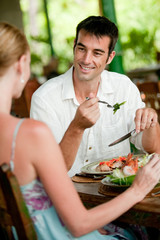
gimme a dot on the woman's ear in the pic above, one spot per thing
(110, 58)
(20, 64)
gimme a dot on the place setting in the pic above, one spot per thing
(115, 175)
(91, 173)
(98, 170)
(121, 178)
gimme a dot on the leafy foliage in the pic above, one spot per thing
(64, 17)
(138, 23)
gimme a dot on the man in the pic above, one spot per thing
(85, 128)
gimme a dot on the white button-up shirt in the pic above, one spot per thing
(55, 104)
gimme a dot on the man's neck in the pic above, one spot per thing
(83, 89)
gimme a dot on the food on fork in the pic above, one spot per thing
(117, 106)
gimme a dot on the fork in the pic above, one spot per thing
(108, 105)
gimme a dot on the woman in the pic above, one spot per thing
(38, 164)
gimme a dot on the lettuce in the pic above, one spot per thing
(117, 173)
(127, 181)
(144, 160)
(118, 177)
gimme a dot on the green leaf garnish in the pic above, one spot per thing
(117, 106)
(124, 181)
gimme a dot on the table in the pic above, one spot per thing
(146, 212)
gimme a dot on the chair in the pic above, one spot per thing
(21, 106)
(13, 211)
(31, 86)
(150, 94)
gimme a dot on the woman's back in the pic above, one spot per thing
(23, 151)
(15, 150)
(48, 224)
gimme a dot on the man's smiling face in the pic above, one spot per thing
(90, 56)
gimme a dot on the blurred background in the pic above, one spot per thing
(50, 27)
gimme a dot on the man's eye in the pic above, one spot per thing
(97, 54)
(81, 49)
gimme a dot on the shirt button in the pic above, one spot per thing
(87, 160)
(90, 148)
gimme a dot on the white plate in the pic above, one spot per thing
(91, 167)
(110, 184)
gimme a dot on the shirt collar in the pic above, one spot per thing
(68, 88)
(106, 86)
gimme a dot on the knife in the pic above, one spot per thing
(123, 138)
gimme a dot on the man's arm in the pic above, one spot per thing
(146, 120)
(42, 111)
(151, 139)
(86, 116)
(70, 144)
(69, 141)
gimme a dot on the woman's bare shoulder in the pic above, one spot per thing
(35, 127)
(38, 137)
(38, 133)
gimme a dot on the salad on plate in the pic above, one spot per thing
(125, 175)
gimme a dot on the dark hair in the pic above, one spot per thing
(99, 26)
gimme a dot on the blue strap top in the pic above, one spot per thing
(34, 193)
(14, 143)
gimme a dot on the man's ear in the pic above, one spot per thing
(111, 56)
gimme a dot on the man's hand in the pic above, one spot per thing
(147, 177)
(87, 114)
(145, 118)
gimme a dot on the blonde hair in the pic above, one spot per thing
(13, 44)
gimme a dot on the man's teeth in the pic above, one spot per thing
(86, 68)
